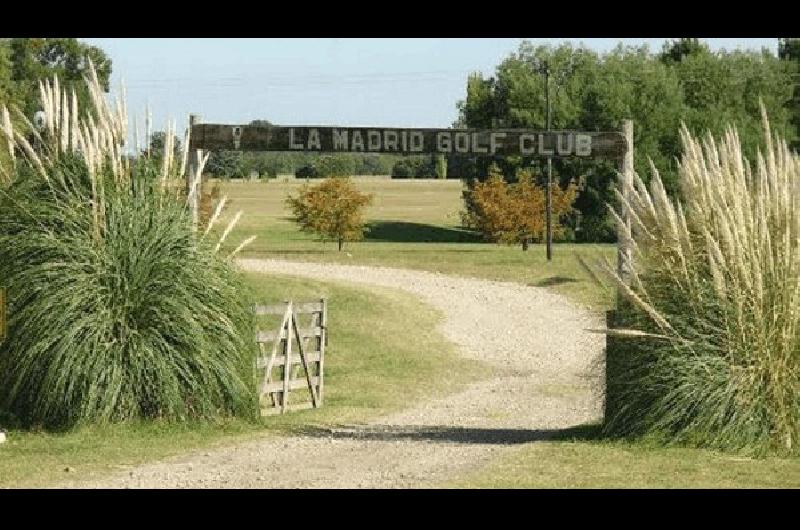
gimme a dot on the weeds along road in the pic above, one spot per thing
(548, 377)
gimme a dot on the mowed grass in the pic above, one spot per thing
(372, 367)
(582, 464)
(413, 224)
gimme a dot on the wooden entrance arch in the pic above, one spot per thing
(611, 145)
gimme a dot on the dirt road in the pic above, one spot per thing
(551, 380)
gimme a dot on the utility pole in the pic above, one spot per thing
(549, 204)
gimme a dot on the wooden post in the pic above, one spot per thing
(624, 252)
(549, 197)
(195, 156)
(323, 339)
(287, 367)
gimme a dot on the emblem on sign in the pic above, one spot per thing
(237, 137)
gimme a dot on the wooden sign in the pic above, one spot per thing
(474, 142)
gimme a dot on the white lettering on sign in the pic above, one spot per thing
(477, 142)
(476, 148)
(374, 140)
(565, 149)
(390, 140)
(417, 141)
(358, 142)
(526, 144)
(313, 140)
(542, 150)
(443, 143)
(293, 144)
(462, 142)
(493, 141)
(339, 140)
(583, 145)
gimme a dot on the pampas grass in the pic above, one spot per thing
(717, 273)
(118, 309)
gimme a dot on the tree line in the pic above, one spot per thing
(684, 82)
(24, 62)
(238, 164)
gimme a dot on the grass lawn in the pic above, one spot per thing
(370, 368)
(582, 464)
(413, 224)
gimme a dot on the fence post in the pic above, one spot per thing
(624, 252)
(194, 158)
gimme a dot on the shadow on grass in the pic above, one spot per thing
(467, 435)
(405, 232)
(553, 280)
(278, 252)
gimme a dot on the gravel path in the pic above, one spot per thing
(550, 380)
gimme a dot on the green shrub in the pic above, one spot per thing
(118, 309)
(716, 283)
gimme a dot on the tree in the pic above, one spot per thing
(413, 167)
(515, 213)
(676, 50)
(335, 166)
(595, 92)
(374, 164)
(24, 62)
(225, 164)
(308, 171)
(333, 209)
(441, 167)
(262, 123)
(36, 59)
(157, 140)
(789, 51)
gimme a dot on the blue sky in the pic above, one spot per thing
(346, 82)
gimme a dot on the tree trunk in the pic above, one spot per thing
(525, 242)
(341, 242)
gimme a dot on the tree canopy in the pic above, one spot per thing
(24, 62)
(332, 209)
(685, 82)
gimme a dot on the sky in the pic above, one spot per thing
(342, 82)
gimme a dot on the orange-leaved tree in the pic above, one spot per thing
(515, 213)
(332, 209)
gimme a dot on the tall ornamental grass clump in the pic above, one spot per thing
(118, 309)
(715, 285)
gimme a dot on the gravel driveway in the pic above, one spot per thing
(551, 379)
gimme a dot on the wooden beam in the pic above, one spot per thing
(286, 367)
(323, 341)
(294, 384)
(313, 357)
(269, 336)
(473, 142)
(306, 367)
(193, 162)
(279, 309)
(624, 253)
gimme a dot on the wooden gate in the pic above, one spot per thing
(309, 339)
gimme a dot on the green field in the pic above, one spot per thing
(415, 224)
(370, 369)
(372, 365)
(412, 224)
(580, 464)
